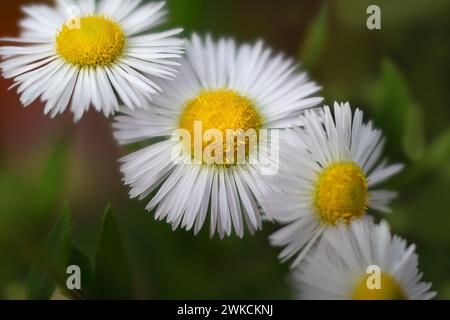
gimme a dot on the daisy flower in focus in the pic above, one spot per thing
(222, 86)
(83, 53)
(329, 168)
(362, 262)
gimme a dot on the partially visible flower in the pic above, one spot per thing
(328, 170)
(362, 261)
(221, 87)
(88, 52)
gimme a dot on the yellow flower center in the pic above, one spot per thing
(341, 193)
(221, 110)
(389, 289)
(90, 42)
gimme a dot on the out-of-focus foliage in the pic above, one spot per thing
(315, 40)
(112, 273)
(394, 111)
(111, 278)
(398, 75)
(51, 261)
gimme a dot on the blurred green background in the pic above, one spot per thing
(398, 75)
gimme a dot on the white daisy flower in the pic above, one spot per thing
(362, 262)
(328, 171)
(222, 86)
(84, 52)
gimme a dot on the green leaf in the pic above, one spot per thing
(395, 112)
(413, 139)
(436, 159)
(80, 259)
(55, 255)
(315, 39)
(439, 152)
(112, 272)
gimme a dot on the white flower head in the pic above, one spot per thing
(329, 169)
(362, 261)
(222, 87)
(87, 52)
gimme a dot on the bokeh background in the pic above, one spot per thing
(399, 75)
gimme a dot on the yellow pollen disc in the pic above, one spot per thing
(92, 41)
(389, 290)
(221, 110)
(341, 193)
